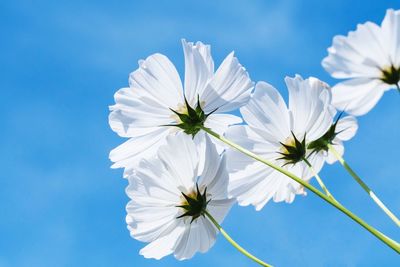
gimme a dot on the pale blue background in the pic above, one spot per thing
(62, 61)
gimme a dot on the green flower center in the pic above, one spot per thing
(391, 75)
(293, 150)
(191, 120)
(194, 204)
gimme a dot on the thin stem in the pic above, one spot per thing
(233, 243)
(364, 186)
(388, 241)
(319, 180)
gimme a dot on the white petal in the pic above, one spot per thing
(158, 79)
(152, 211)
(212, 161)
(132, 115)
(391, 32)
(246, 137)
(338, 146)
(181, 159)
(129, 154)
(164, 245)
(357, 96)
(267, 112)
(219, 123)
(230, 87)
(199, 236)
(217, 185)
(360, 54)
(310, 106)
(220, 208)
(199, 68)
(152, 179)
(346, 128)
(316, 160)
(258, 184)
(153, 226)
(214, 175)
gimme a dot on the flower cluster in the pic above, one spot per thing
(182, 182)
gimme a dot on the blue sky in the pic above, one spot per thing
(61, 63)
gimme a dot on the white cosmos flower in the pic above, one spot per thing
(155, 94)
(369, 58)
(271, 125)
(157, 190)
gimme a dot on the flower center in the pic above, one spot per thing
(190, 119)
(194, 204)
(391, 75)
(292, 150)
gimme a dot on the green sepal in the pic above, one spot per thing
(295, 153)
(193, 121)
(195, 206)
(321, 144)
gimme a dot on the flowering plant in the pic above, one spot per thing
(188, 160)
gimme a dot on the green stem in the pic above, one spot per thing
(364, 186)
(391, 243)
(319, 180)
(236, 245)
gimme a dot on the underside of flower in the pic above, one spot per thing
(192, 119)
(293, 150)
(391, 75)
(194, 204)
(321, 144)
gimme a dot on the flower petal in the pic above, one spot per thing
(220, 208)
(219, 123)
(310, 106)
(267, 112)
(258, 184)
(391, 32)
(217, 185)
(199, 68)
(338, 146)
(249, 139)
(129, 154)
(357, 96)
(132, 115)
(230, 87)
(200, 235)
(158, 79)
(152, 211)
(362, 53)
(211, 163)
(164, 245)
(346, 128)
(181, 159)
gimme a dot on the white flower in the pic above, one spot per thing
(155, 100)
(369, 58)
(343, 129)
(280, 134)
(159, 213)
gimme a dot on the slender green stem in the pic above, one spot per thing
(319, 180)
(388, 241)
(364, 186)
(233, 243)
